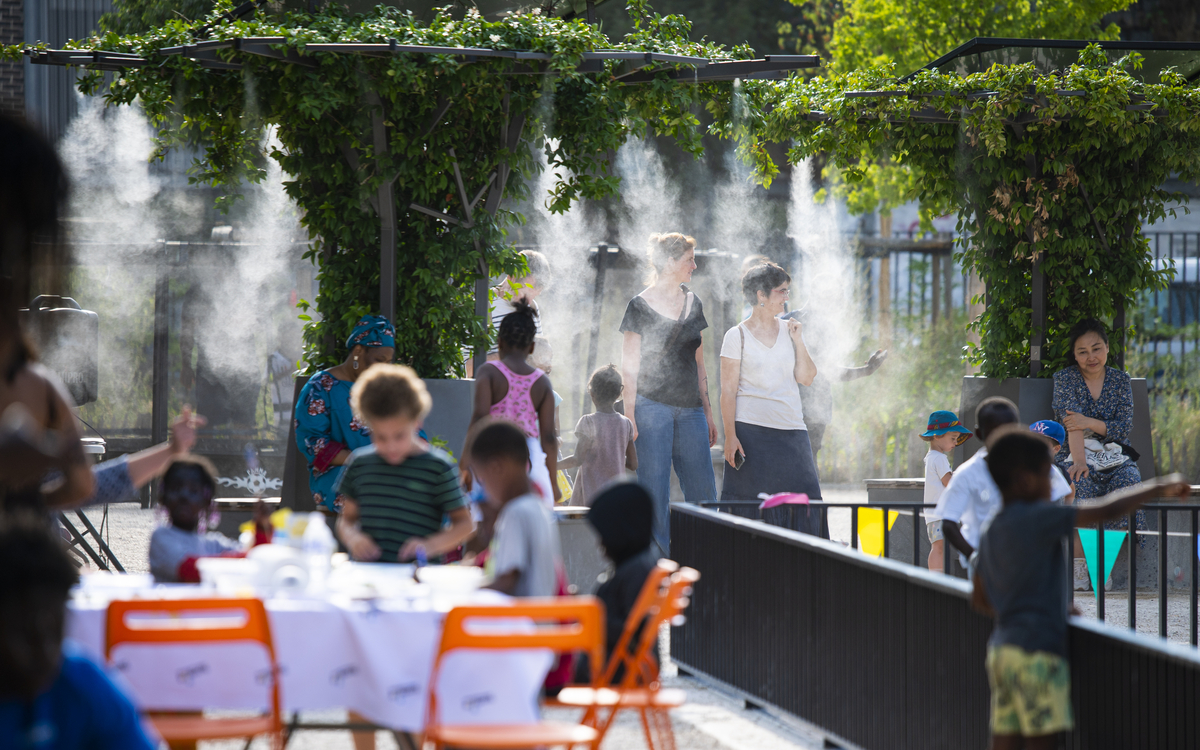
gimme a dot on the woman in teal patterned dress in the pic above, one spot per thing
(326, 429)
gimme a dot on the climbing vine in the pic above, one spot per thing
(439, 132)
(1062, 168)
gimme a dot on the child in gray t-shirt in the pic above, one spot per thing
(525, 558)
(605, 449)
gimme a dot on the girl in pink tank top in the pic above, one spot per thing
(510, 388)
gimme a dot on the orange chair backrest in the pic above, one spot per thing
(193, 621)
(649, 599)
(675, 601)
(562, 624)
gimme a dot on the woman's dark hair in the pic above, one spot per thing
(763, 278)
(36, 576)
(498, 439)
(519, 327)
(605, 384)
(190, 467)
(1082, 328)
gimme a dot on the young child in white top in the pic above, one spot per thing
(943, 433)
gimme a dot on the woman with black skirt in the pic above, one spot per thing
(766, 442)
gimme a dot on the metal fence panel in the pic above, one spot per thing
(886, 655)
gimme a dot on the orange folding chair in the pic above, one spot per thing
(200, 621)
(639, 686)
(651, 596)
(562, 624)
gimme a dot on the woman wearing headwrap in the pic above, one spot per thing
(326, 428)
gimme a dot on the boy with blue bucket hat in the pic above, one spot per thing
(943, 433)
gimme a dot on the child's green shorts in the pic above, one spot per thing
(1031, 692)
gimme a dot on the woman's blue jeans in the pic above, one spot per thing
(678, 436)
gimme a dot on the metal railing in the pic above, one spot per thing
(1169, 545)
(883, 654)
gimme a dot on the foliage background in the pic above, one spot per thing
(322, 118)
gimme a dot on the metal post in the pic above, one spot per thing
(885, 301)
(1119, 329)
(479, 358)
(1162, 572)
(387, 220)
(935, 262)
(160, 368)
(916, 511)
(854, 528)
(1037, 336)
(885, 533)
(1132, 572)
(1195, 559)
(597, 309)
(1100, 572)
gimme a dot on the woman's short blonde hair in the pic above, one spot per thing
(667, 247)
(386, 391)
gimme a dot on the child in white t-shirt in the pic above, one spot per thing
(943, 434)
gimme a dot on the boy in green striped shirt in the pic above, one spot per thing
(396, 491)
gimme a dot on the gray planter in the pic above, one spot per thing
(1033, 397)
(448, 420)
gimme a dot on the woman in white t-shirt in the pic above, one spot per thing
(943, 434)
(763, 359)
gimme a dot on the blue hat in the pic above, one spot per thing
(372, 330)
(1050, 429)
(941, 422)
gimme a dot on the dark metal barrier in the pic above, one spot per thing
(887, 655)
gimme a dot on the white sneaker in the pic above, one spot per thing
(1082, 579)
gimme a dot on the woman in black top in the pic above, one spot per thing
(666, 386)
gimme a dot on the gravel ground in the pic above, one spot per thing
(1116, 612)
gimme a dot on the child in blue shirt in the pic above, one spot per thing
(51, 696)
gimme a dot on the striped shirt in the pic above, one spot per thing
(398, 502)
(503, 307)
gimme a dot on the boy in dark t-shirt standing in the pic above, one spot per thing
(396, 491)
(1020, 580)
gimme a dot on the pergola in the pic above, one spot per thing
(632, 68)
(1047, 55)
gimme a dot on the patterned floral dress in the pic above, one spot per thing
(1115, 409)
(323, 416)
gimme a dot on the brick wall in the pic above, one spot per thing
(12, 75)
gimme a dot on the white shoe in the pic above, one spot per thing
(1082, 579)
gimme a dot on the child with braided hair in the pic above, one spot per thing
(512, 389)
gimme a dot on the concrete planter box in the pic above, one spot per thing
(448, 420)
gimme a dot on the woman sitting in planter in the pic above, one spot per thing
(1094, 403)
(326, 429)
(763, 358)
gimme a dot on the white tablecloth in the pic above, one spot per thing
(373, 657)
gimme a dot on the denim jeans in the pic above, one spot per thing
(678, 436)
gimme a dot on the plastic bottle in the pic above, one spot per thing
(319, 547)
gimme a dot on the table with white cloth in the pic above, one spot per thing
(373, 656)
